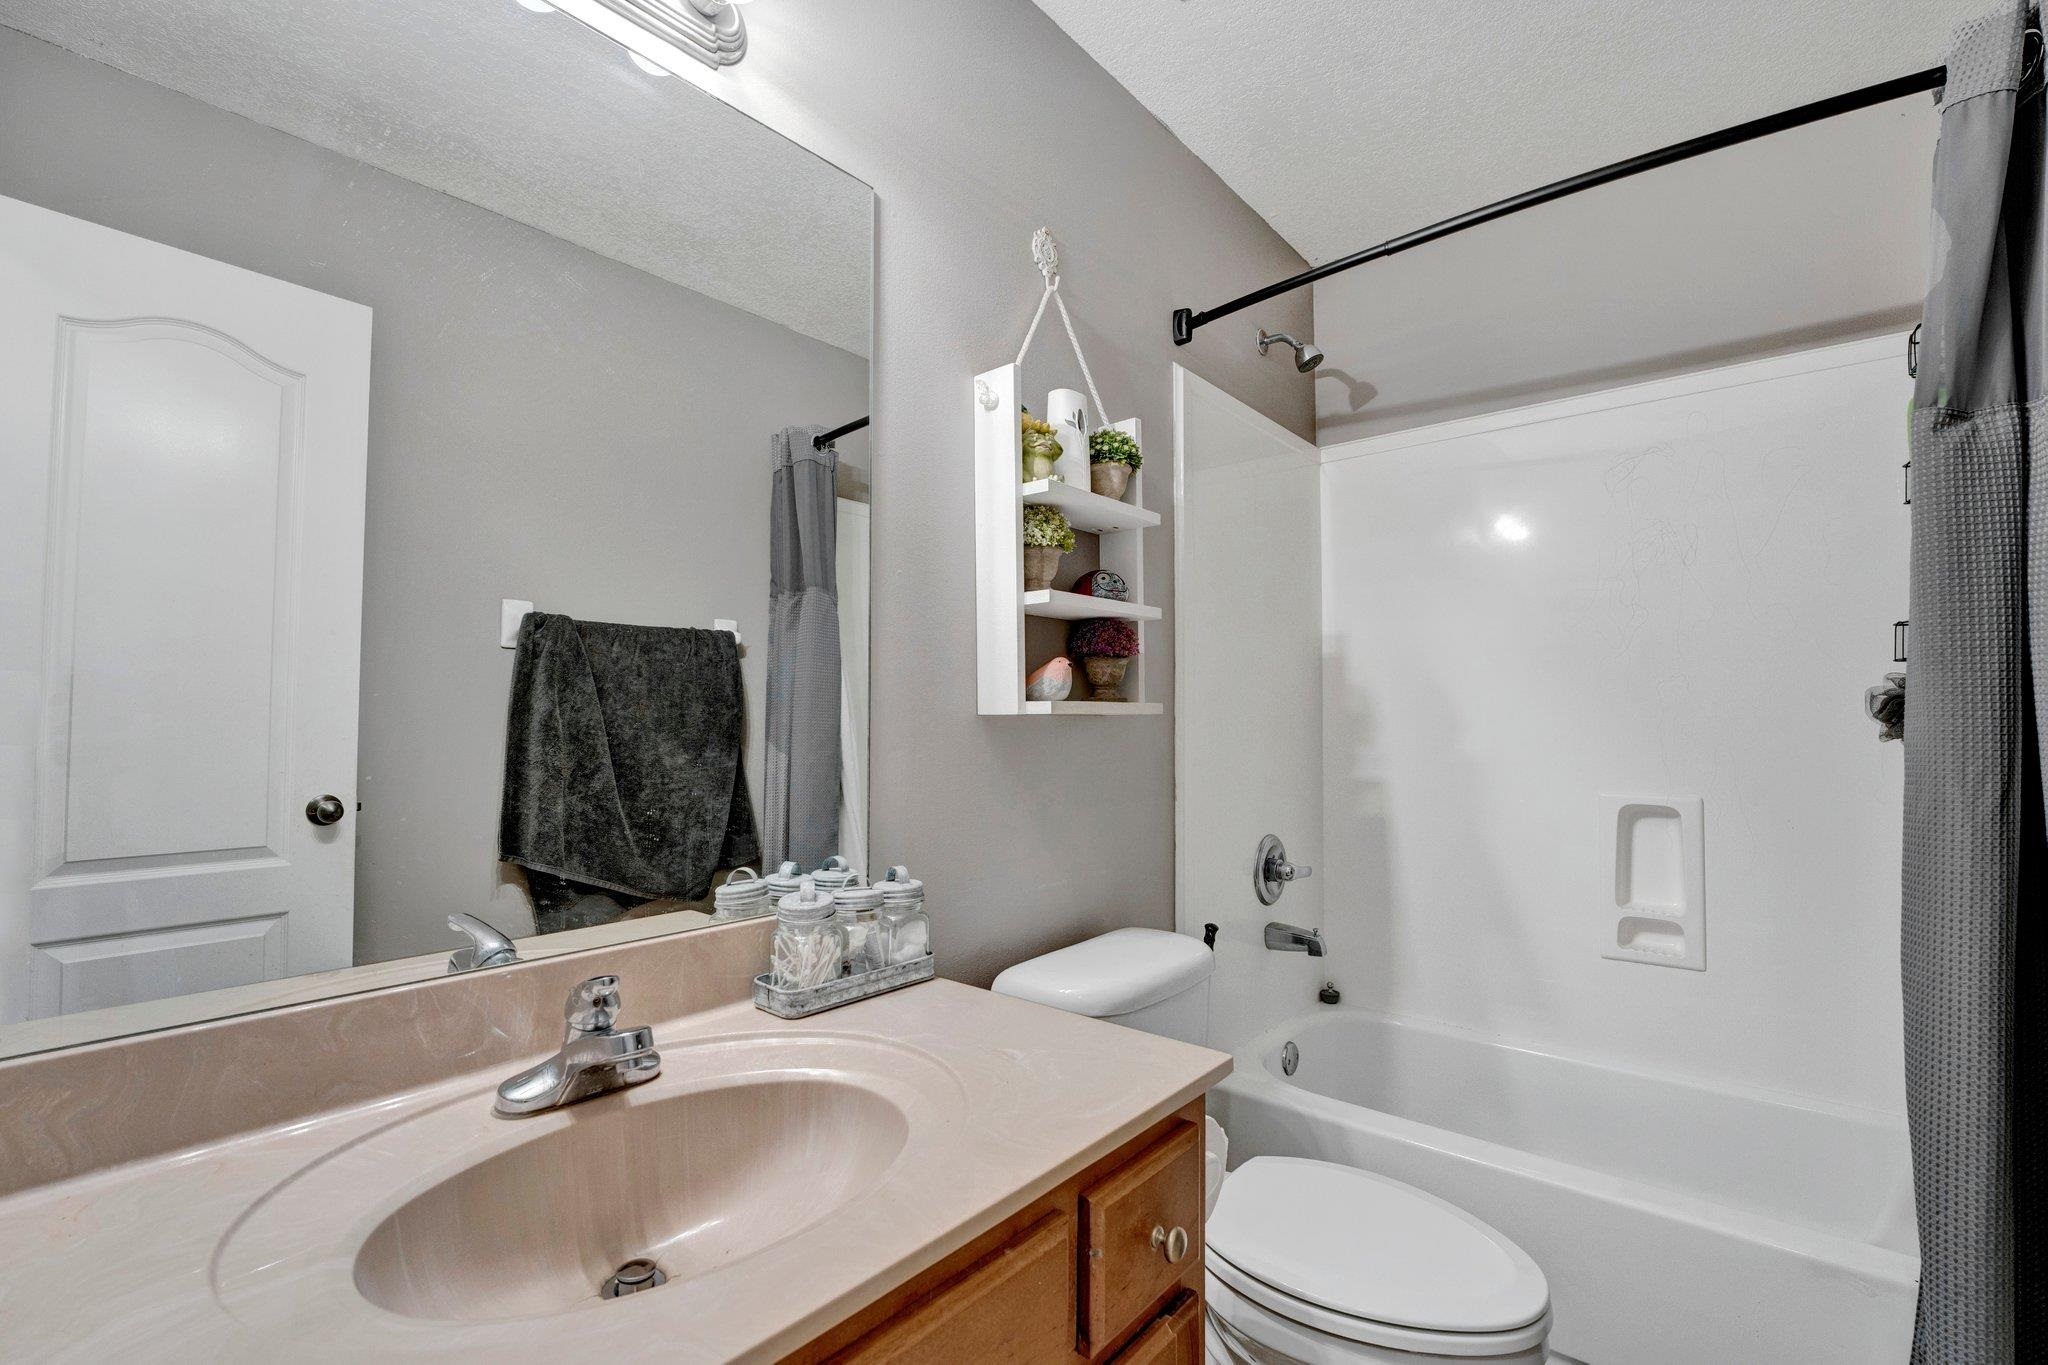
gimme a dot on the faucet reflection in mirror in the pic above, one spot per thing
(487, 947)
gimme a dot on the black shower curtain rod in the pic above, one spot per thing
(826, 438)
(1186, 320)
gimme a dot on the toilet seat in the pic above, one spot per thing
(1367, 1259)
(1247, 1329)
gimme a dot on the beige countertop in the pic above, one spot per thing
(243, 1248)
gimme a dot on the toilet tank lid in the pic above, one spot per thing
(1121, 971)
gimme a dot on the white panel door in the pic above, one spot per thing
(1247, 694)
(182, 455)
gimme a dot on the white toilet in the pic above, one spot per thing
(1309, 1261)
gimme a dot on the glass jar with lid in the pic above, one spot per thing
(742, 895)
(857, 910)
(783, 881)
(809, 947)
(906, 927)
(835, 873)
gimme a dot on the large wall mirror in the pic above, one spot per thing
(333, 333)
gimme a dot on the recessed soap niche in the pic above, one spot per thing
(1660, 881)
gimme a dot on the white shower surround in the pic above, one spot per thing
(1677, 589)
(1674, 589)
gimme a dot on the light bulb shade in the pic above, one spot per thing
(668, 34)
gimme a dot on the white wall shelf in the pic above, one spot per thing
(1076, 606)
(1092, 708)
(1002, 605)
(1086, 510)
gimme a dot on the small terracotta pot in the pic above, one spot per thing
(1110, 480)
(1106, 676)
(1041, 562)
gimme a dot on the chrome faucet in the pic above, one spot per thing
(1288, 938)
(595, 1059)
(487, 947)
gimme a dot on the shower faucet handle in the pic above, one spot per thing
(1272, 872)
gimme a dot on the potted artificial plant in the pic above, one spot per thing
(1047, 536)
(1105, 647)
(1112, 455)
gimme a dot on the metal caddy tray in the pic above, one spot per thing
(847, 989)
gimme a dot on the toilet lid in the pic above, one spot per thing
(1368, 1247)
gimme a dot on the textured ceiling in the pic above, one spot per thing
(1345, 122)
(530, 115)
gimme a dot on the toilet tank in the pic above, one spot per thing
(1145, 979)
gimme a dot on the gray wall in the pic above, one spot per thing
(976, 122)
(1810, 236)
(545, 424)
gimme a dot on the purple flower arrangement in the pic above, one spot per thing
(1103, 638)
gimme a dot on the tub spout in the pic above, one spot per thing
(1288, 938)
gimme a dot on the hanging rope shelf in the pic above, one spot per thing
(1045, 254)
(1002, 493)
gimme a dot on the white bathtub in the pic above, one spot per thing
(1678, 1223)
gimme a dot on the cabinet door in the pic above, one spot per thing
(1175, 1339)
(1015, 1308)
(1143, 1233)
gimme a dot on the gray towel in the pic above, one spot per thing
(1887, 706)
(622, 762)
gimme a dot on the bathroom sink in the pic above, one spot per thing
(691, 1182)
(449, 1213)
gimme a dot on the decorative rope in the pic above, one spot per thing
(1045, 253)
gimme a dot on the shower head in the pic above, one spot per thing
(1306, 357)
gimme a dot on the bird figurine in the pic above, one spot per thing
(1053, 682)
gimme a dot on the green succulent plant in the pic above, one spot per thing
(1110, 446)
(1047, 526)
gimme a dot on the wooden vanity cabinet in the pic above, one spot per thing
(1105, 1268)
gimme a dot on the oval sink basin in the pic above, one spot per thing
(437, 1210)
(691, 1181)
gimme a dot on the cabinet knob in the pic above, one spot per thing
(1174, 1244)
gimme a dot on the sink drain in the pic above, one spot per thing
(632, 1277)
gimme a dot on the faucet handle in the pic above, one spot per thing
(593, 1006)
(1271, 872)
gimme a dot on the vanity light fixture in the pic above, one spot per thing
(659, 35)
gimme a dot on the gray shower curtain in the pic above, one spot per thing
(1975, 878)
(801, 815)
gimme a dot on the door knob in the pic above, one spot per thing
(325, 810)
